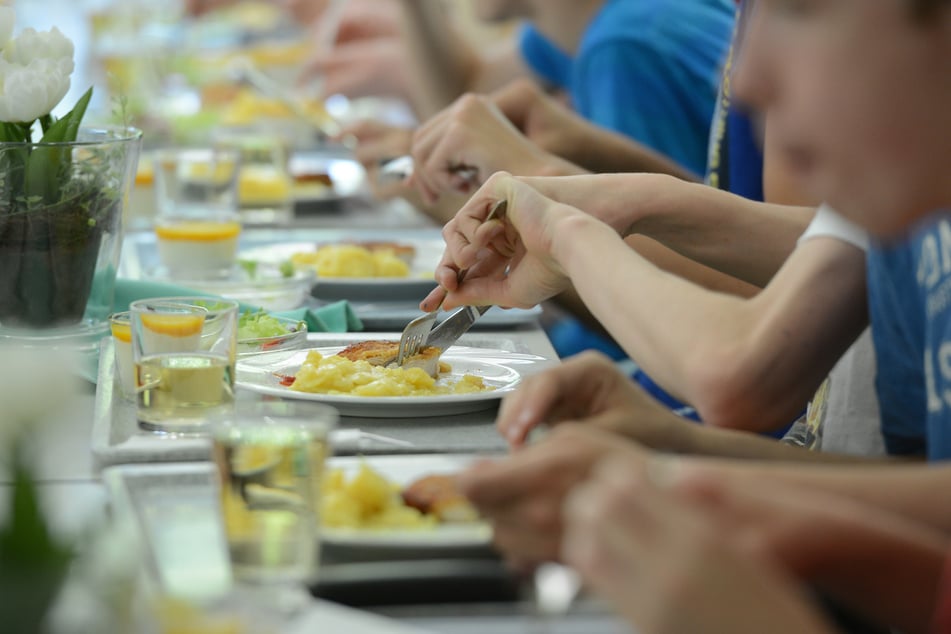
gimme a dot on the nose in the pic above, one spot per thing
(753, 75)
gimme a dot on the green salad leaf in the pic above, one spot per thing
(260, 324)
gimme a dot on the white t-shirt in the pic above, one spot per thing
(843, 415)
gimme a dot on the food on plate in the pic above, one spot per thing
(384, 353)
(405, 252)
(368, 500)
(261, 332)
(263, 184)
(335, 374)
(313, 178)
(260, 325)
(350, 260)
(197, 246)
(438, 495)
(249, 106)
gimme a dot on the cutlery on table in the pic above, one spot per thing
(419, 331)
(401, 168)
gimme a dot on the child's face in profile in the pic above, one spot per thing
(859, 97)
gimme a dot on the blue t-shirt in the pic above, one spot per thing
(909, 293)
(648, 69)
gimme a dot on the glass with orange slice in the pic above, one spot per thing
(184, 351)
(198, 225)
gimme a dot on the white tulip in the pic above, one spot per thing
(34, 74)
(36, 385)
(7, 20)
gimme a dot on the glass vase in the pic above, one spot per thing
(61, 234)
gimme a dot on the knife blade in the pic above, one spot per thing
(454, 326)
(402, 167)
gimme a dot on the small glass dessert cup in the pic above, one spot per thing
(198, 247)
(198, 224)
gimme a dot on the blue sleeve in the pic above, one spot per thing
(545, 59)
(630, 89)
(899, 350)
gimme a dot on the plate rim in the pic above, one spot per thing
(356, 401)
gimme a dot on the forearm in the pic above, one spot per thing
(603, 151)
(442, 63)
(749, 364)
(745, 239)
(889, 571)
(906, 490)
(704, 440)
(656, 317)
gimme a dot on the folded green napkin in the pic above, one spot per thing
(336, 317)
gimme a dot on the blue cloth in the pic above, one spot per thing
(909, 294)
(645, 68)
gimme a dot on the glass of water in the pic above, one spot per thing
(184, 350)
(270, 457)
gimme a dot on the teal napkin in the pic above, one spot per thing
(336, 317)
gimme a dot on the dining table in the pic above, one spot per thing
(74, 495)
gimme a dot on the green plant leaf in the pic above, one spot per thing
(66, 129)
(25, 540)
(47, 166)
(11, 133)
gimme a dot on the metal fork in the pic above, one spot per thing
(416, 333)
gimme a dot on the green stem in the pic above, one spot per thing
(46, 121)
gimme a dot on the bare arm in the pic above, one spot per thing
(740, 237)
(443, 66)
(557, 129)
(752, 363)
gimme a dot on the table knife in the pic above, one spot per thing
(454, 326)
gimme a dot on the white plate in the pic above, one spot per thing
(369, 289)
(169, 500)
(498, 368)
(403, 470)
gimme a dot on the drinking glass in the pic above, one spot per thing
(184, 350)
(270, 457)
(264, 181)
(121, 327)
(197, 225)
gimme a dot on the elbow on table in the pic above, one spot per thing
(728, 391)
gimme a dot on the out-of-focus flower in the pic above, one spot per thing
(34, 73)
(36, 385)
(7, 21)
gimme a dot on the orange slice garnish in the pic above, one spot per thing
(199, 231)
(122, 332)
(174, 325)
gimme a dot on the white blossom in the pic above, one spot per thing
(34, 74)
(7, 20)
(36, 385)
